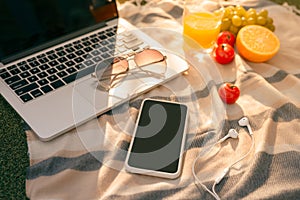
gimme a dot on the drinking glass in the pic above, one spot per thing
(202, 21)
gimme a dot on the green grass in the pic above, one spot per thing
(13, 155)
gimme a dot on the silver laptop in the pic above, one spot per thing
(48, 51)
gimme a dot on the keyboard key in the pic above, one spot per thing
(24, 67)
(2, 70)
(59, 49)
(53, 63)
(80, 74)
(50, 52)
(57, 84)
(14, 71)
(92, 36)
(51, 71)
(5, 75)
(68, 45)
(52, 56)
(43, 60)
(76, 42)
(35, 70)
(71, 70)
(34, 64)
(78, 46)
(88, 62)
(102, 37)
(104, 42)
(78, 60)
(62, 59)
(70, 50)
(12, 67)
(78, 67)
(105, 55)
(61, 53)
(44, 67)
(110, 34)
(104, 49)
(26, 97)
(46, 89)
(87, 56)
(60, 67)
(21, 63)
(71, 56)
(18, 84)
(96, 59)
(42, 74)
(70, 63)
(36, 93)
(95, 40)
(43, 82)
(25, 74)
(52, 78)
(70, 78)
(33, 78)
(95, 52)
(79, 52)
(31, 59)
(41, 55)
(96, 46)
(88, 49)
(26, 89)
(62, 74)
(12, 79)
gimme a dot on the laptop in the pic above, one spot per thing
(50, 48)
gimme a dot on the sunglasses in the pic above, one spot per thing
(112, 71)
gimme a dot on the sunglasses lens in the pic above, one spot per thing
(110, 70)
(151, 60)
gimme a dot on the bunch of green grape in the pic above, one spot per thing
(235, 17)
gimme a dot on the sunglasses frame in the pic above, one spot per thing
(128, 57)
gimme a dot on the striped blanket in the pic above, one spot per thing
(88, 162)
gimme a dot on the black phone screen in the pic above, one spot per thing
(159, 136)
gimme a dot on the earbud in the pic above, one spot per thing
(245, 122)
(232, 133)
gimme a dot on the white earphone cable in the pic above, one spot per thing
(227, 169)
(194, 173)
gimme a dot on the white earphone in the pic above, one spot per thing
(245, 122)
(232, 133)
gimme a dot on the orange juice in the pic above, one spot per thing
(203, 27)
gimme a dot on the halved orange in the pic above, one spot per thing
(257, 43)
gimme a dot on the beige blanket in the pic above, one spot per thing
(88, 163)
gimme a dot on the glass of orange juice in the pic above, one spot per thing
(202, 21)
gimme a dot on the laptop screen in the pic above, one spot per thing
(27, 25)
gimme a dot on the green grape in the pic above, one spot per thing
(271, 27)
(228, 12)
(244, 21)
(251, 21)
(269, 20)
(263, 13)
(236, 21)
(240, 10)
(226, 23)
(251, 15)
(233, 29)
(261, 20)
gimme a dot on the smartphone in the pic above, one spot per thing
(158, 140)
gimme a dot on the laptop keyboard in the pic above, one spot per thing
(53, 69)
